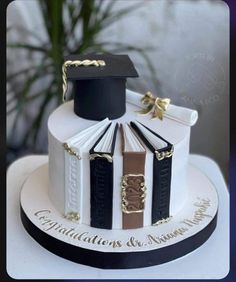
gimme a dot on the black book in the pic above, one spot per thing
(101, 178)
(162, 165)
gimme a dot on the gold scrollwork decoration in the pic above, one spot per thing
(71, 151)
(162, 221)
(166, 154)
(135, 182)
(106, 156)
(73, 216)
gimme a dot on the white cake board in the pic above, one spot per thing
(112, 249)
(30, 210)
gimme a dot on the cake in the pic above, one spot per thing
(118, 168)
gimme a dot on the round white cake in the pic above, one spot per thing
(63, 123)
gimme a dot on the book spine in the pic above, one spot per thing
(161, 189)
(101, 194)
(133, 190)
(72, 186)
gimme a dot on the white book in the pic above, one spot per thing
(76, 157)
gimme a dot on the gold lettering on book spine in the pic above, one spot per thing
(133, 193)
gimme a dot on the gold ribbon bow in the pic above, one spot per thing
(76, 63)
(155, 104)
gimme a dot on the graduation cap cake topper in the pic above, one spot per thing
(99, 84)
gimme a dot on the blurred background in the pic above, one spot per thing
(180, 49)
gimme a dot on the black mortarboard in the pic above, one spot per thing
(99, 91)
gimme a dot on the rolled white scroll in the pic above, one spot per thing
(180, 114)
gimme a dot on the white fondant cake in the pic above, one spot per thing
(63, 123)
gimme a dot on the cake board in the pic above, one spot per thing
(120, 249)
(26, 259)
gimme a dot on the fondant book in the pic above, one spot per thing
(101, 178)
(162, 165)
(133, 180)
(76, 156)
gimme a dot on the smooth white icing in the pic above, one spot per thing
(63, 124)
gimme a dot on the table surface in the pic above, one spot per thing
(26, 259)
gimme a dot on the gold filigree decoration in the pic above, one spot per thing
(163, 220)
(166, 154)
(106, 156)
(76, 63)
(136, 183)
(71, 151)
(73, 216)
(155, 105)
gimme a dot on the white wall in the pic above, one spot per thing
(191, 55)
(190, 41)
